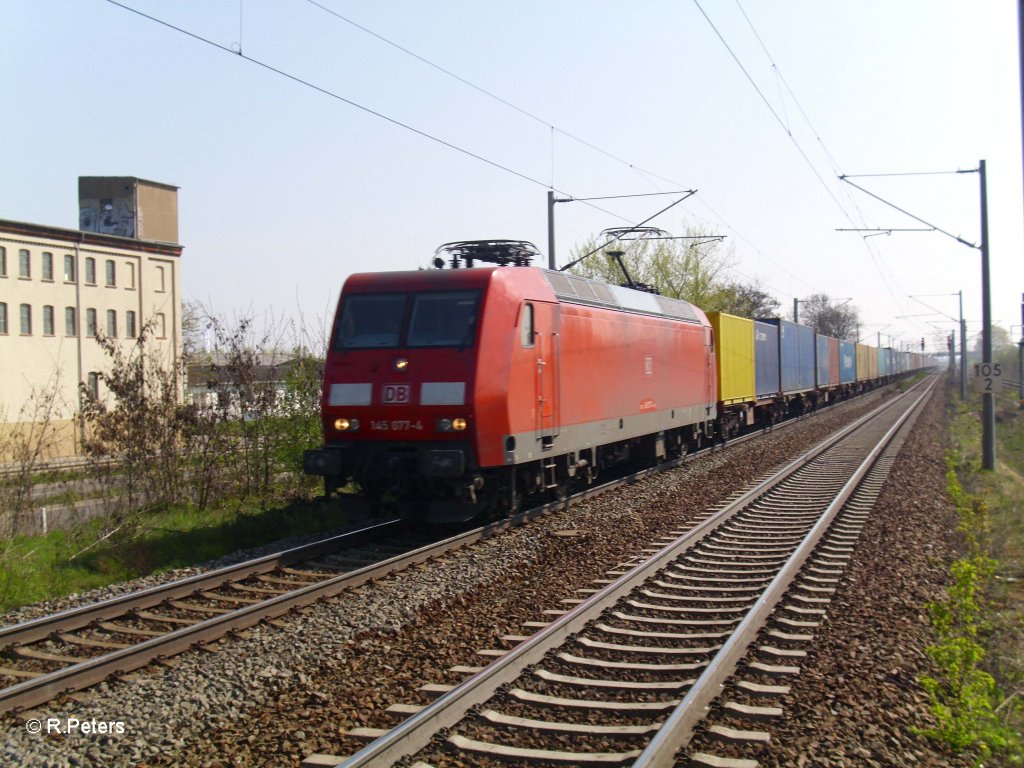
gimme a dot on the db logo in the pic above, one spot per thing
(396, 393)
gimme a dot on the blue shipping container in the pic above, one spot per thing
(766, 359)
(823, 367)
(884, 361)
(796, 355)
(847, 362)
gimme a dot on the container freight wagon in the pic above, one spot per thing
(828, 373)
(867, 363)
(847, 362)
(823, 368)
(767, 383)
(734, 359)
(796, 356)
(884, 362)
(833, 362)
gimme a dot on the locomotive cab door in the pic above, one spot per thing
(546, 382)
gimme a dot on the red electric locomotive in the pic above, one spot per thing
(453, 392)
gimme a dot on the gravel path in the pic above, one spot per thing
(278, 693)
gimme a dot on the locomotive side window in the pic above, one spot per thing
(443, 319)
(526, 327)
(371, 320)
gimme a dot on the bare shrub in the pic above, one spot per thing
(133, 432)
(25, 445)
(256, 400)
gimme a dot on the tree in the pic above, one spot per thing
(1000, 340)
(1004, 351)
(750, 301)
(26, 443)
(839, 321)
(251, 424)
(193, 328)
(694, 270)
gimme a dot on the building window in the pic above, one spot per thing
(3, 318)
(90, 322)
(48, 266)
(69, 268)
(161, 285)
(26, 319)
(161, 325)
(90, 270)
(93, 384)
(24, 264)
(47, 320)
(129, 323)
(70, 322)
(3, 262)
(111, 273)
(130, 280)
(112, 323)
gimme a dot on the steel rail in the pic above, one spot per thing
(416, 732)
(38, 690)
(74, 677)
(677, 730)
(76, 618)
(77, 676)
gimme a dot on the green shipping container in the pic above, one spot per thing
(734, 357)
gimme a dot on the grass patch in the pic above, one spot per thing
(66, 562)
(979, 626)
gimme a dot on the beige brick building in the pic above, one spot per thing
(60, 287)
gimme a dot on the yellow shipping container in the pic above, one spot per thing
(867, 362)
(734, 357)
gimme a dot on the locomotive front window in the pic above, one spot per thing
(443, 319)
(371, 321)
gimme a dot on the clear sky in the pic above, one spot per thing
(286, 190)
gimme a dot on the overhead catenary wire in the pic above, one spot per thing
(771, 109)
(885, 273)
(481, 89)
(238, 51)
(645, 174)
(380, 115)
(908, 213)
(690, 193)
(789, 90)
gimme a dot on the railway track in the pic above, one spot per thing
(695, 639)
(77, 648)
(73, 649)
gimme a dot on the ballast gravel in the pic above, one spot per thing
(277, 693)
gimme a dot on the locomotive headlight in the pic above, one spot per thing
(451, 425)
(346, 425)
(401, 364)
